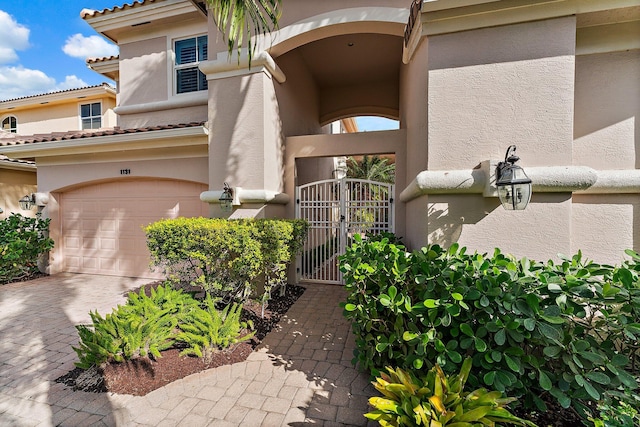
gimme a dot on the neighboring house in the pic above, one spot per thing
(466, 79)
(73, 111)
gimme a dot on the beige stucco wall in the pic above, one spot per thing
(142, 62)
(14, 184)
(146, 83)
(53, 173)
(488, 89)
(603, 226)
(245, 133)
(298, 98)
(607, 110)
(414, 89)
(607, 136)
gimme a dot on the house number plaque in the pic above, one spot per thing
(125, 171)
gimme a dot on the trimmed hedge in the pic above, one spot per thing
(569, 330)
(225, 257)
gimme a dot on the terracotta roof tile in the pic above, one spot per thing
(102, 59)
(89, 13)
(65, 136)
(59, 91)
(6, 160)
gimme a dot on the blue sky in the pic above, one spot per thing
(44, 45)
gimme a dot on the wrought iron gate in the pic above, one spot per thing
(336, 210)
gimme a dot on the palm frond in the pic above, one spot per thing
(240, 19)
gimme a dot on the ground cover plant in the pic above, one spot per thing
(22, 241)
(438, 399)
(145, 325)
(143, 370)
(562, 334)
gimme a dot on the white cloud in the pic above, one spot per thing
(17, 82)
(13, 37)
(71, 82)
(79, 46)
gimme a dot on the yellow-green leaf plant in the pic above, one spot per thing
(438, 400)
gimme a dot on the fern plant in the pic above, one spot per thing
(208, 330)
(438, 400)
(143, 327)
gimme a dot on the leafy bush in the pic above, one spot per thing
(22, 241)
(207, 330)
(437, 400)
(221, 257)
(225, 257)
(569, 330)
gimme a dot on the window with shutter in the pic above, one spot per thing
(188, 54)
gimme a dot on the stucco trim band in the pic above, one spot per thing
(242, 195)
(193, 100)
(226, 66)
(549, 179)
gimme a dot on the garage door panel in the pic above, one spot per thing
(102, 225)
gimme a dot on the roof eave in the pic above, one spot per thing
(165, 138)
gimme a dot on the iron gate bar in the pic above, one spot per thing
(336, 210)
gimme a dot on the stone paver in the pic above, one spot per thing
(301, 374)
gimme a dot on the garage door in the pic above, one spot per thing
(102, 224)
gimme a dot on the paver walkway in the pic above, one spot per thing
(301, 374)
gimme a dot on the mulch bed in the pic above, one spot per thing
(143, 375)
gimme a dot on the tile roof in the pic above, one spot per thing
(59, 91)
(89, 13)
(6, 160)
(102, 59)
(64, 136)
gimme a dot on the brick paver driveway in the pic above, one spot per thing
(301, 375)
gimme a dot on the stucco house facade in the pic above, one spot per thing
(465, 79)
(67, 112)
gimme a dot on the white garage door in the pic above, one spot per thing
(102, 224)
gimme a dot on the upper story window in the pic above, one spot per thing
(189, 53)
(91, 115)
(10, 124)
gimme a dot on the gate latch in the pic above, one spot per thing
(342, 218)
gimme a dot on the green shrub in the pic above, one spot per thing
(222, 257)
(207, 330)
(143, 327)
(22, 241)
(225, 257)
(569, 330)
(437, 400)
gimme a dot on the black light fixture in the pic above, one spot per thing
(27, 202)
(514, 186)
(226, 199)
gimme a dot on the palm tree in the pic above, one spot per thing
(373, 168)
(239, 20)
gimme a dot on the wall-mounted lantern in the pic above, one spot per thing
(226, 199)
(27, 202)
(514, 186)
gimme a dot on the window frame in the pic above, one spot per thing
(11, 129)
(91, 116)
(201, 55)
